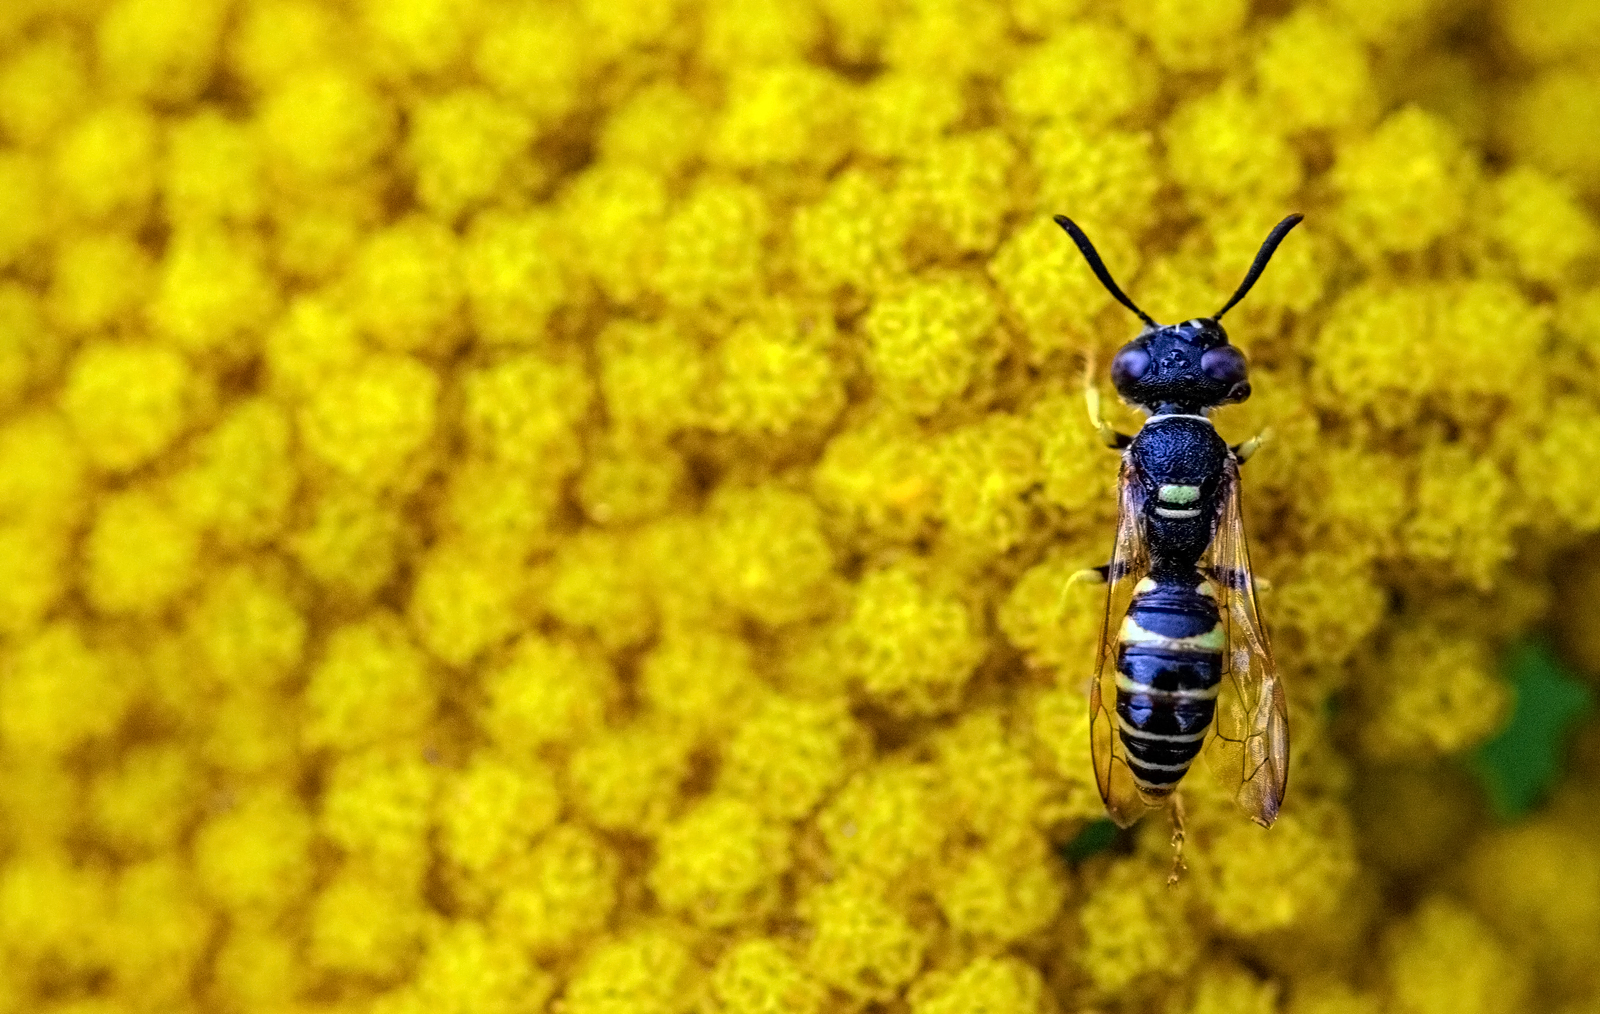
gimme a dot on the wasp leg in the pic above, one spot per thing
(1262, 584)
(1110, 437)
(1093, 575)
(1175, 811)
(1242, 452)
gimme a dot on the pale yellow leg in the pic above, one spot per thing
(1108, 436)
(1088, 576)
(1175, 811)
(1251, 446)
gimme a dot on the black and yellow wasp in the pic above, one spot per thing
(1189, 656)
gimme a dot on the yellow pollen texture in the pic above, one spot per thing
(566, 506)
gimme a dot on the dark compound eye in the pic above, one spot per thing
(1226, 364)
(1130, 364)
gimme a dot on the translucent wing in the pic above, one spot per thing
(1130, 562)
(1249, 746)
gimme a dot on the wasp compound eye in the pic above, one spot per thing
(1225, 364)
(1131, 363)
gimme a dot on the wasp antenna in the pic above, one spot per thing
(1099, 266)
(1259, 265)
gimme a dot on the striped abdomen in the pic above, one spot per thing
(1169, 665)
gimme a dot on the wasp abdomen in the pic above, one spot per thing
(1169, 666)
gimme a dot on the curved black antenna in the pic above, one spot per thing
(1259, 265)
(1100, 272)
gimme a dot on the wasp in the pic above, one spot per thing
(1189, 659)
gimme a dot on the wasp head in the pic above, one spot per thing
(1188, 366)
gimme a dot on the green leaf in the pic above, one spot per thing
(1520, 765)
(1096, 837)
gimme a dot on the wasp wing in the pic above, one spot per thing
(1130, 562)
(1249, 746)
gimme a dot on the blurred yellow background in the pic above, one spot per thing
(519, 507)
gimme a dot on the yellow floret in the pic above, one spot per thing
(490, 812)
(702, 678)
(373, 424)
(625, 481)
(559, 894)
(1228, 145)
(757, 976)
(860, 944)
(160, 50)
(247, 630)
(317, 233)
(759, 33)
(1539, 223)
(956, 37)
(1060, 728)
(30, 206)
(1549, 123)
(1039, 271)
(770, 559)
(721, 864)
(525, 410)
(105, 165)
(1463, 517)
(213, 171)
(378, 806)
(60, 692)
(1442, 959)
(42, 86)
(243, 480)
(712, 247)
(351, 541)
(144, 805)
(32, 574)
(788, 755)
(546, 691)
(158, 933)
(496, 510)
(885, 820)
(372, 686)
(41, 472)
(1190, 36)
(1002, 896)
(127, 403)
(251, 734)
(312, 343)
(1132, 929)
(630, 778)
(468, 146)
(1547, 31)
(1086, 73)
(50, 911)
(929, 342)
(653, 378)
(593, 585)
(366, 927)
(1313, 71)
(540, 58)
(323, 125)
(406, 289)
(1431, 692)
(98, 281)
(850, 236)
(258, 968)
(902, 113)
(1332, 600)
(954, 198)
(912, 647)
(1559, 468)
(1540, 883)
(992, 985)
(1300, 875)
(419, 37)
(255, 858)
(516, 269)
(790, 114)
(649, 971)
(28, 349)
(140, 555)
(985, 470)
(615, 215)
(1404, 186)
(879, 476)
(777, 374)
(1225, 989)
(991, 781)
(214, 296)
(468, 971)
(274, 39)
(661, 127)
(465, 601)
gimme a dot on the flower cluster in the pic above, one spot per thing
(568, 506)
